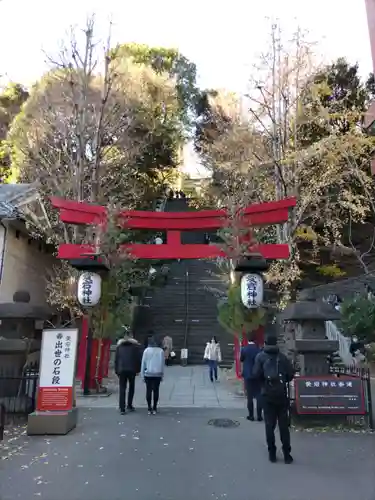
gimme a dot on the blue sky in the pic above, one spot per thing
(222, 38)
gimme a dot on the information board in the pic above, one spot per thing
(330, 395)
(58, 360)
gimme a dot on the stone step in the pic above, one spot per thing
(187, 299)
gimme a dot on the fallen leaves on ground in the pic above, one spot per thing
(15, 440)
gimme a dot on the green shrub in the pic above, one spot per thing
(235, 317)
(358, 318)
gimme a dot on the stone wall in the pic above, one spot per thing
(344, 288)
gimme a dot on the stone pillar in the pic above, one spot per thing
(305, 321)
(286, 339)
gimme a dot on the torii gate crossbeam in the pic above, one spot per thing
(173, 223)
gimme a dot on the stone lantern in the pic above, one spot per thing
(18, 346)
(310, 342)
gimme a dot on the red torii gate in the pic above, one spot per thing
(262, 214)
(79, 213)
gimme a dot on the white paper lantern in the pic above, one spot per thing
(89, 289)
(252, 290)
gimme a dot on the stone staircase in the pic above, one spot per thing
(202, 313)
(166, 309)
(185, 309)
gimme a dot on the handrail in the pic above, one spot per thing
(2, 421)
(333, 333)
(159, 208)
(186, 308)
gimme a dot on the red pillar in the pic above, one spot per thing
(259, 337)
(174, 238)
(237, 350)
(81, 361)
(97, 345)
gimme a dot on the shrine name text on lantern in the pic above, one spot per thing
(89, 289)
(252, 290)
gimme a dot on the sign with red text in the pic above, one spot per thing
(58, 361)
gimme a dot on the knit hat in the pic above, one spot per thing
(271, 340)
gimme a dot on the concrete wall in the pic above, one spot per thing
(24, 263)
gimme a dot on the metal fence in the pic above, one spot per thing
(18, 388)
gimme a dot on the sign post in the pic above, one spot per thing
(56, 412)
(329, 395)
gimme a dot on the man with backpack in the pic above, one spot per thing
(275, 371)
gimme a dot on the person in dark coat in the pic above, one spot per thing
(355, 346)
(127, 366)
(252, 385)
(274, 371)
(145, 343)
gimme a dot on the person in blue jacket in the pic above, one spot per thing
(252, 385)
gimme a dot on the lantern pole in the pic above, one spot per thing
(89, 337)
(93, 263)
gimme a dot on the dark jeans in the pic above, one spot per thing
(212, 364)
(277, 413)
(152, 391)
(252, 388)
(124, 378)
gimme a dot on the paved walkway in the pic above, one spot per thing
(177, 455)
(182, 387)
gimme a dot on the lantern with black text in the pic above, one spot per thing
(252, 290)
(89, 289)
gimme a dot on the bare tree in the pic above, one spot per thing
(84, 126)
(269, 154)
(80, 136)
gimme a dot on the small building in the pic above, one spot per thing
(24, 261)
(193, 186)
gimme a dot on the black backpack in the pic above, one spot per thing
(274, 380)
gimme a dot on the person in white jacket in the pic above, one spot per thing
(212, 354)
